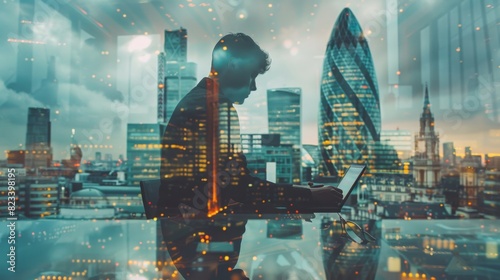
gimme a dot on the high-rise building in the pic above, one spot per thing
(393, 152)
(349, 104)
(426, 165)
(451, 45)
(449, 154)
(261, 149)
(283, 110)
(144, 152)
(38, 132)
(161, 110)
(492, 162)
(179, 76)
(176, 45)
(401, 140)
(38, 148)
(385, 160)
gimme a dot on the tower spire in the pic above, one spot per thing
(427, 103)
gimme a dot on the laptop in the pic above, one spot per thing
(347, 184)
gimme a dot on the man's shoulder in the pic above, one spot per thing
(195, 99)
(191, 106)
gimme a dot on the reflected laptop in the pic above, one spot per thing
(347, 184)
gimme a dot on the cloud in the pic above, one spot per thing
(99, 122)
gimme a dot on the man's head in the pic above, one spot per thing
(237, 274)
(236, 62)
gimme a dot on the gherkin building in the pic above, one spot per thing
(349, 121)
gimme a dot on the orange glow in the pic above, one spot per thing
(212, 129)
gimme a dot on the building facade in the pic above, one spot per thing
(179, 75)
(453, 50)
(144, 152)
(42, 198)
(38, 133)
(349, 103)
(261, 149)
(283, 110)
(449, 155)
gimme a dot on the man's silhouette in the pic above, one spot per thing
(207, 192)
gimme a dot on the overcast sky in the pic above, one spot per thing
(295, 34)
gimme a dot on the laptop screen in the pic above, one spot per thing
(350, 179)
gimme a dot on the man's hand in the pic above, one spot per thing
(326, 199)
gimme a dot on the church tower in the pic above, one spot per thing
(426, 166)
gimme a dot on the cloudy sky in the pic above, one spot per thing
(295, 34)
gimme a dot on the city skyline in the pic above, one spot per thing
(291, 47)
(114, 170)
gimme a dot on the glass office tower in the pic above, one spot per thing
(283, 107)
(349, 120)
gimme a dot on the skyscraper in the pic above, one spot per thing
(283, 109)
(38, 149)
(349, 104)
(401, 140)
(161, 111)
(38, 132)
(427, 166)
(451, 45)
(176, 45)
(179, 75)
(144, 152)
(449, 154)
(261, 149)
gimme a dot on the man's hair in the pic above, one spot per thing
(240, 273)
(238, 45)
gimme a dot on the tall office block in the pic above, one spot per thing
(38, 148)
(176, 45)
(283, 109)
(38, 132)
(144, 152)
(451, 45)
(400, 140)
(261, 149)
(179, 76)
(161, 111)
(449, 154)
(349, 119)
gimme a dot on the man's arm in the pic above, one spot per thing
(267, 196)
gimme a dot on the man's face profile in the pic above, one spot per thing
(238, 81)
